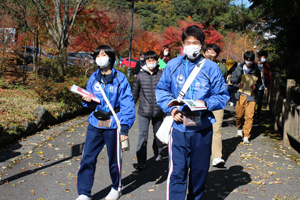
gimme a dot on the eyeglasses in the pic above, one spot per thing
(192, 43)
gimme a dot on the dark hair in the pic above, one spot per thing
(150, 54)
(109, 51)
(214, 47)
(142, 53)
(161, 55)
(195, 31)
(223, 61)
(249, 54)
(263, 53)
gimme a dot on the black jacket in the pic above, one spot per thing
(144, 89)
(138, 66)
(237, 76)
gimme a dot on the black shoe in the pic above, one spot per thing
(140, 166)
(256, 120)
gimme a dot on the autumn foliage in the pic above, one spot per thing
(172, 36)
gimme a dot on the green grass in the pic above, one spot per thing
(17, 106)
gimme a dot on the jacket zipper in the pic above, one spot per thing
(152, 95)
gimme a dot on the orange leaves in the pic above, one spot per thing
(145, 41)
(172, 36)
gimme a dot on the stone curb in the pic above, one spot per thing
(43, 119)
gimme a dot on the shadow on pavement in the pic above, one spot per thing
(10, 153)
(229, 119)
(220, 183)
(76, 151)
(228, 114)
(229, 146)
(155, 171)
(255, 132)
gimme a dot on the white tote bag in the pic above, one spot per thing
(163, 132)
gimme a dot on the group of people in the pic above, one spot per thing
(164, 57)
(154, 89)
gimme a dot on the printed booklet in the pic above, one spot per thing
(247, 80)
(193, 105)
(83, 92)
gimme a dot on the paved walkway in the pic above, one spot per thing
(44, 166)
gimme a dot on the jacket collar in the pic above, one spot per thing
(99, 75)
(145, 69)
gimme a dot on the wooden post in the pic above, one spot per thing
(287, 116)
(276, 99)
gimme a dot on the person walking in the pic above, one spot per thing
(265, 72)
(190, 146)
(231, 65)
(139, 64)
(245, 105)
(165, 54)
(102, 128)
(212, 52)
(144, 89)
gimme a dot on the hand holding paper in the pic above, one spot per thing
(247, 84)
(84, 93)
(193, 105)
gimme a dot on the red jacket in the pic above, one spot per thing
(267, 74)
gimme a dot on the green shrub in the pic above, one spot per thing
(124, 70)
(48, 90)
(3, 84)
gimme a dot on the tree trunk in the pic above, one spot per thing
(23, 72)
(3, 50)
(2, 60)
(33, 55)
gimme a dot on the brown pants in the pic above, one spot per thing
(216, 146)
(244, 108)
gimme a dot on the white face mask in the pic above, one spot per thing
(166, 53)
(102, 62)
(192, 51)
(263, 60)
(151, 66)
(142, 59)
(248, 63)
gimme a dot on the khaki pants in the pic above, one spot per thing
(216, 147)
(244, 108)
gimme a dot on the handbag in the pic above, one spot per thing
(125, 144)
(163, 133)
(101, 115)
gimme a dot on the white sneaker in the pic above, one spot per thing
(113, 195)
(239, 133)
(158, 157)
(217, 161)
(83, 197)
(231, 104)
(246, 140)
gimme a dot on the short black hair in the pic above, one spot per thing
(151, 54)
(142, 53)
(223, 61)
(195, 31)
(249, 54)
(214, 47)
(109, 51)
(263, 53)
